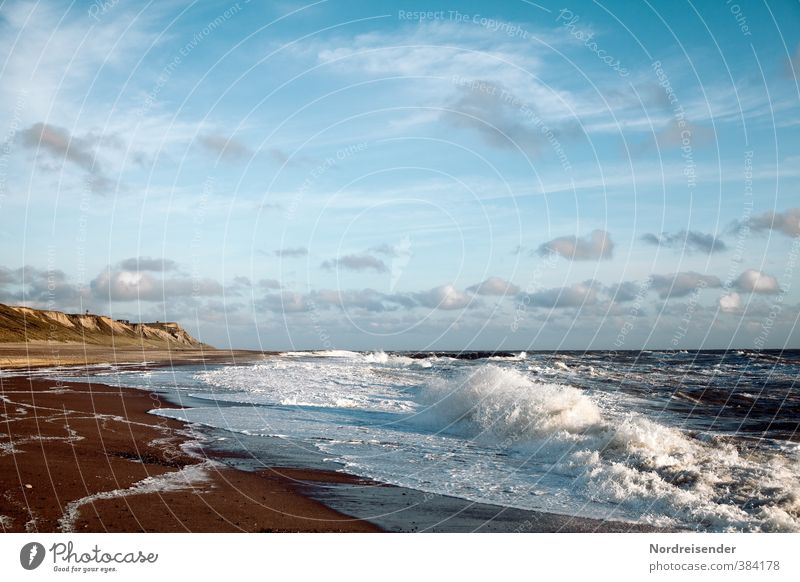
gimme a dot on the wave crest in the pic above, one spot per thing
(503, 402)
(642, 466)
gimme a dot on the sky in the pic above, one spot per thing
(407, 175)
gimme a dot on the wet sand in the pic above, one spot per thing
(27, 355)
(88, 458)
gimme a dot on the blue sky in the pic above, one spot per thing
(366, 175)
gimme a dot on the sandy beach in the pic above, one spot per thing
(80, 457)
(39, 354)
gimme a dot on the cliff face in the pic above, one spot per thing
(23, 324)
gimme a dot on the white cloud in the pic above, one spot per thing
(730, 303)
(440, 55)
(53, 49)
(598, 245)
(226, 148)
(73, 83)
(287, 302)
(752, 281)
(125, 286)
(356, 263)
(625, 291)
(494, 286)
(504, 123)
(687, 240)
(444, 297)
(141, 286)
(58, 142)
(786, 222)
(438, 49)
(682, 284)
(367, 299)
(43, 288)
(59, 145)
(444, 52)
(148, 264)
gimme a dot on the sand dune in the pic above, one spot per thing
(24, 324)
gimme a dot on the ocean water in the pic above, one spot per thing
(705, 441)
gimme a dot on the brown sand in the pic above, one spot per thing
(63, 442)
(24, 355)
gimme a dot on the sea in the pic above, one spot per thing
(685, 440)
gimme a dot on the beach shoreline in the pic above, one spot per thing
(89, 457)
(79, 457)
(42, 354)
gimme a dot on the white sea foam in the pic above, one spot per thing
(503, 402)
(653, 469)
(322, 383)
(519, 356)
(336, 354)
(395, 360)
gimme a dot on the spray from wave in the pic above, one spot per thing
(395, 360)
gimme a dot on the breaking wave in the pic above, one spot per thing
(647, 468)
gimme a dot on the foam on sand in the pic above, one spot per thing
(188, 477)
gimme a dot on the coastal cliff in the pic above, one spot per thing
(24, 324)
